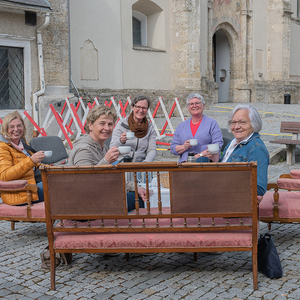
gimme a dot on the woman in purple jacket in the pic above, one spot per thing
(205, 129)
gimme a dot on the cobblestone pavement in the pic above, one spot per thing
(158, 276)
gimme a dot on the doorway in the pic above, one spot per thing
(221, 65)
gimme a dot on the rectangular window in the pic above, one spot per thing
(11, 78)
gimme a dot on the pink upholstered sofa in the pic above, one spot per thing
(281, 203)
(27, 213)
(210, 210)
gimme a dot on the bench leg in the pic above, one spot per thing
(127, 256)
(290, 154)
(195, 256)
(12, 225)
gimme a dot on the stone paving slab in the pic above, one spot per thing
(225, 275)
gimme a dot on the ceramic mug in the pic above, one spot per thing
(193, 142)
(129, 135)
(48, 153)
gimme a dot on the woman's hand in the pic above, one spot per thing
(142, 193)
(38, 157)
(182, 148)
(112, 154)
(123, 137)
(213, 157)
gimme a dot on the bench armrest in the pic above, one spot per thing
(17, 186)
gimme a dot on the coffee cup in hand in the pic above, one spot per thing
(48, 153)
(193, 142)
(213, 148)
(129, 135)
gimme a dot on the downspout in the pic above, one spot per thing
(41, 69)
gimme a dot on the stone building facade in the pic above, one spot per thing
(227, 50)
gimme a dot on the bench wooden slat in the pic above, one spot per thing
(286, 141)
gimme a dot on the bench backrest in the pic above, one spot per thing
(290, 127)
(197, 192)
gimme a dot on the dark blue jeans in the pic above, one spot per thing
(202, 159)
(131, 201)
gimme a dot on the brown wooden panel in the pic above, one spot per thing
(100, 194)
(290, 127)
(286, 141)
(211, 192)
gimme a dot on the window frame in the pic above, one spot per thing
(143, 19)
(7, 40)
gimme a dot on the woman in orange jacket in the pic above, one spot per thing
(15, 161)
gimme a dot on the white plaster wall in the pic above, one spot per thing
(97, 21)
(294, 8)
(260, 12)
(146, 69)
(108, 24)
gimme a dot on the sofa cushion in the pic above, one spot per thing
(295, 174)
(12, 210)
(288, 184)
(64, 240)
(288, 204)
(38, 210)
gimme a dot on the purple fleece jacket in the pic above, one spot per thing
(208, 132)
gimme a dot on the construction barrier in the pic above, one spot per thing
(71, 120)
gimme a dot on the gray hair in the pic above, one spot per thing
(194, 95)
(255, 119)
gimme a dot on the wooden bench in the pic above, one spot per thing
(27, 213)
(294, 129)
(213, 208)
(281, 203)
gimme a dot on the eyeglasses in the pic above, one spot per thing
(195, 104)
(141, 108)
(19, 126)
(241, 123)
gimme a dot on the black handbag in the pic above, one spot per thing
(268, 259)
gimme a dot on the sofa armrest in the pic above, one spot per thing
(17, 186)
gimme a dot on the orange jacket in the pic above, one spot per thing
(15, 165)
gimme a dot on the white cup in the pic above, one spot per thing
(48, 153)
(213, 148)
(124, 149)
(129, 135)
(193, 142)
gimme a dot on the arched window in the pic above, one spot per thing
(148, 25)
(136, 31)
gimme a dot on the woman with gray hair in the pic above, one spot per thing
(244, 122)
(199, 127)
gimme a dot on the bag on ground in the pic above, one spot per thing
(268, 259)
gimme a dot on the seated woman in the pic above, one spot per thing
(205, 129)
(245, 123)
(143, 143)
(90, 149)
(16, 162)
